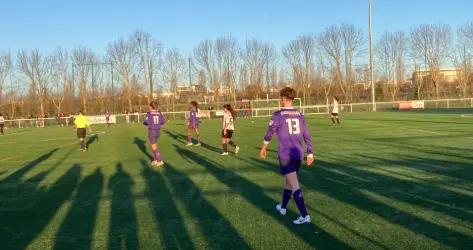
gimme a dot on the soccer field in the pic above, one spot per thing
(401, 180)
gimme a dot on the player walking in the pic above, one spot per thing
(154, 120)
(2, 124)
(335, 110)
(228, 128)
(82, 123)
(193, 124)
(107, 118)
(291, 130)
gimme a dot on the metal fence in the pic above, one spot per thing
(261, 108)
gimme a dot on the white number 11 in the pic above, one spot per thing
(293, 126)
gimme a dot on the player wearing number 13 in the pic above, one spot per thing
(291, 130)
(154, 120)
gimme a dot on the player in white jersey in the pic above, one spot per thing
(2, 123)
(335, 111)
(228, 128)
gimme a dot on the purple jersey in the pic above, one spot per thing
(291, 130)
(193, 118)
(154, 120)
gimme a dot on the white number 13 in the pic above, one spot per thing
(293, 126)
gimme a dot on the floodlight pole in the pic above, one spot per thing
(373, 92)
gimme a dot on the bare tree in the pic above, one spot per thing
(390, 51)
(463, 58)
(122, 54)
(352, 40)
(38, 70)
(61, 81)
(331, 46)
(227, 54)
(5, 69)
(432, 43)
(300, 56)
(257, 56)
(82, 63)
(172, 70)
(204, 56)
(149, 53)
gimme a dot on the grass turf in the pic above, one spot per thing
(381, 180)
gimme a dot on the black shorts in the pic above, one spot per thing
(228, 135)
(81, 133)
(334, 114)
(289, 166)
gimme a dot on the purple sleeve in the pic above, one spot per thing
(148, 119)
(307, 137)
(272, 128)
(162, 119)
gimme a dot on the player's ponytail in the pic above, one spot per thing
(230, 109)
(154, 105)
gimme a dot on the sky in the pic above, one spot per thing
(47, 24)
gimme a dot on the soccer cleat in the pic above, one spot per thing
(302, 220)
(281, 210)
(157, 163)
(198, 144)
(237, 149)
(189, 144)
(224, 153)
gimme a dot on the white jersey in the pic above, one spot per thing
(335, 107)
(2, 120)
(227, 121)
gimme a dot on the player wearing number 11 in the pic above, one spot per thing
(291, 130)
(154, 120)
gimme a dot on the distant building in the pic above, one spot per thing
(448, 75)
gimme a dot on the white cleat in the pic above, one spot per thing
(198, 144)
(302, 220)
(237, 149)
(157, 163)
(281, 210)
(189, 144)
(224, 153)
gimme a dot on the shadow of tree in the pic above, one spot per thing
(123, 225)
(76, 231)
(255, 194)
(141, 144)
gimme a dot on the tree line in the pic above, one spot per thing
(334, 62)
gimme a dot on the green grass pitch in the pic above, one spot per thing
(392, 180)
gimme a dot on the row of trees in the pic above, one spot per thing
(138, 68)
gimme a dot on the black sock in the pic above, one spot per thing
(333, 120)
(232, 143)
(82, 144)
(224, 147)
(338, 121)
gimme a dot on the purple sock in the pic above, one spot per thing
(299, 199)
(286, 196)
(189, 139)
(157, 155)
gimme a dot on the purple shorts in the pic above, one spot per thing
(193, 126)
(153, 136)
(287, 166)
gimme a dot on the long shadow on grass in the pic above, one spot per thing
(255, 194)
(27, 208)
(91, 140)
(181, 137)
(141, 144)
(123, 225)
(166, 215)
(346, 189)
(76, 231)
(217, 230)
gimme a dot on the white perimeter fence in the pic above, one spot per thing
(259, 108)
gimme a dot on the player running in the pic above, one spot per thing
(107, 118)
(154, 120)
(82, 123)
(193, 124)
(228, 128)
(335, 110)
(291, 130)
(2, 124)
